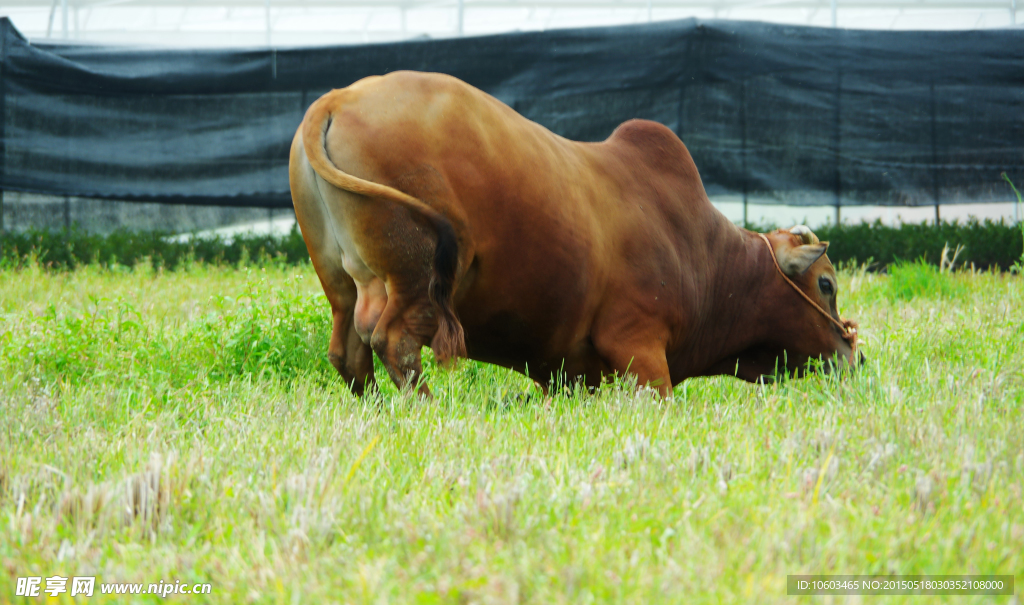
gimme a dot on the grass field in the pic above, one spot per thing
(186, 426)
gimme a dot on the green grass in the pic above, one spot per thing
(911, 280)
(186, 426)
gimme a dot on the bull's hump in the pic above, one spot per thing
(654, 153)
(654, 140)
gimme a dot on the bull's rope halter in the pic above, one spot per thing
(848, 327)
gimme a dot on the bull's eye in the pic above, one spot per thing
(826, 287)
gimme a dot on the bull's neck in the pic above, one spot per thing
(734, 316)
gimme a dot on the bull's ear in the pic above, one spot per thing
(797, 259)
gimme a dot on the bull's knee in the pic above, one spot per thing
(337, 360)
(649, 366)
(379, 343)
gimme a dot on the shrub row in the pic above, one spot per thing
(986, 244)
(67, 249)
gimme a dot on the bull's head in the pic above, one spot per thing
(803, 330)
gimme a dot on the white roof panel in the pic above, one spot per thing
(218, 23)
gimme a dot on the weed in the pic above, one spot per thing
(909, 280)
(1018, 267)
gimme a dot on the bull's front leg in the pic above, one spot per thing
(629, 344)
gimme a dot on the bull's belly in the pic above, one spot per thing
(537, 351)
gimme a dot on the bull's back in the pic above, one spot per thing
(385, 128)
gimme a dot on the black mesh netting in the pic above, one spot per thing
(784, 114)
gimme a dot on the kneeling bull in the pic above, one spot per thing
(436, 215)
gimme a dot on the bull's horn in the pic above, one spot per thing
(805, 234)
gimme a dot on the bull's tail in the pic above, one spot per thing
(449, 342)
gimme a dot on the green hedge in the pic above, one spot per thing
(67, 249)
(986, 244)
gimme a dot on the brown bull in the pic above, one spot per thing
(436, 215)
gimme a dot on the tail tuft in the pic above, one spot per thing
(450, 340)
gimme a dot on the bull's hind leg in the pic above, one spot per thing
(407, 324)
(350, 356)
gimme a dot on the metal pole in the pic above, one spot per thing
(1013, 12)
(462, 13)
(3, 120)
(935, 153)
(650, 10)
(838, 133)
(64, 17)
(268, 21)
(838, 138)
(743, 147)
(49, 23)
